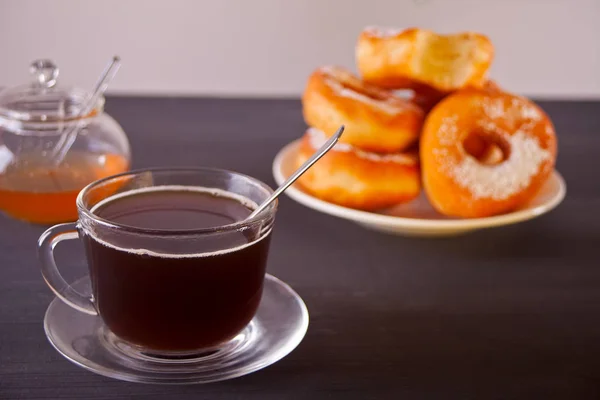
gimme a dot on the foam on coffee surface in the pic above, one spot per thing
(246, 202)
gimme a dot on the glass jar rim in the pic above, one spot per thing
(234, 226)
(76, 96)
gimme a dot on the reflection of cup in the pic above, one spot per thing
(169, 290)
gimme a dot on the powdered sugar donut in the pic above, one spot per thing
(358, 179)
(485, 152)
(392, 58)
(375, 119)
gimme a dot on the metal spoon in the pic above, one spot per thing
(68, 138)
(303, 168)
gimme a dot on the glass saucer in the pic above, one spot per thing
(278, 327)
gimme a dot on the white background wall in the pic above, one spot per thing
(544, 48)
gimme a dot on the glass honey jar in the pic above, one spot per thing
(41, 173)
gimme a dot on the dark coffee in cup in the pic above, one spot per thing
(170, 300)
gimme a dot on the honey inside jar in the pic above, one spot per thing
(47, 195)
(54, 141)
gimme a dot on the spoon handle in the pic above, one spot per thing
(303, 168)
(68, 138)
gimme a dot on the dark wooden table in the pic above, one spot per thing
(507, 313)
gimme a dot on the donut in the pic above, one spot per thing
(485, 152)
(492, 86)
(395, 59)
(427, 97)
(422, 95)
(358, 179)
(375, 119)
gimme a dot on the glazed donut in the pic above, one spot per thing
(394, 59)
(358, 179)
(375, 119)
(485, 152)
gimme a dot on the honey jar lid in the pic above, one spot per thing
(43, 100)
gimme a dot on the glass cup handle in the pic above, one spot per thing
(46, 244)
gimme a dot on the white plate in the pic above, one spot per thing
(417, 218)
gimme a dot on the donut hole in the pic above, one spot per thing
(346, 85)
(365, 90)
(365, 94)
(343, 80)
(489, 148)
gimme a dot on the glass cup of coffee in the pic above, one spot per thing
(175, 266)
